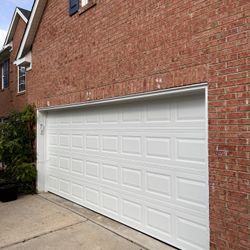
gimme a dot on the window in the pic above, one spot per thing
(21, 78)
(5, 74)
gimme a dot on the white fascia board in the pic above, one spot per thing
(22, 15)
(36, 13)
(14, 23)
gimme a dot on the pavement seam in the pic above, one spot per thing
(94, 222)
(42, 234)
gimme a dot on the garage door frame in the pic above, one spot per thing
(42, 119)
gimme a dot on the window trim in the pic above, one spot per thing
(87, 6)
(18, 79)
(8, 72)
(84, 2)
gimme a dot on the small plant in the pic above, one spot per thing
(17, 149)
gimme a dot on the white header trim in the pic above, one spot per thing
(139, 96)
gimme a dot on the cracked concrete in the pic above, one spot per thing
(46, 221)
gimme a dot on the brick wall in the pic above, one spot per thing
(123, 47)
(9, 99)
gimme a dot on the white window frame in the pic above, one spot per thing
(18, 78)
(84, 2)
(3, 75)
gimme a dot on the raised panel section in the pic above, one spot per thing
(131, 178)
(192, 192)
(110, 202)
(159, 221)
(131, 115)
(158, 112)
(110, 173)
(64, 186)
(131, 145)
(191, 149)
(53, 140)
(64, 140)
(92, 196)
(64, 163)
(191, 108)
(77, 117)
(77, 191)
(77, 141)
(53, 161)
(92, 169)
(158, 147)
(132, 211)
(92, 142)
(110, 144)
(110, 116)
(159, 184)
(53, 183)
(192, 233)
(77, 166)
(92, 117)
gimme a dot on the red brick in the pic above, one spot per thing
(9, 99)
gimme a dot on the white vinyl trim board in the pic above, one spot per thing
(143, 163)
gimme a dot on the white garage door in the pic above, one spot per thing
(142, 163)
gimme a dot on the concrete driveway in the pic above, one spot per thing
(46, 221)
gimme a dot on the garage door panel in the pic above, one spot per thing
(159, 184)
(77, 192)
(92, 196)
(132, 211)
(152, 163)
(190, 149)
(159, 222)
(64, 187)
(139, 195)
(143, 164)
(185, 187)
(158, 147)
(64, 163)
(190, 109)
(110, 202)
(131, 178)
(52, 183)
(110, 173)
(77, 166)
(77, 141)
(54, 161)
(158, 112)
(191, 233)
(92, 170)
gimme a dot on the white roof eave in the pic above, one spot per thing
(31, 29)
(13, 25)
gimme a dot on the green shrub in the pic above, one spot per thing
(17, 148)
(26, 175)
